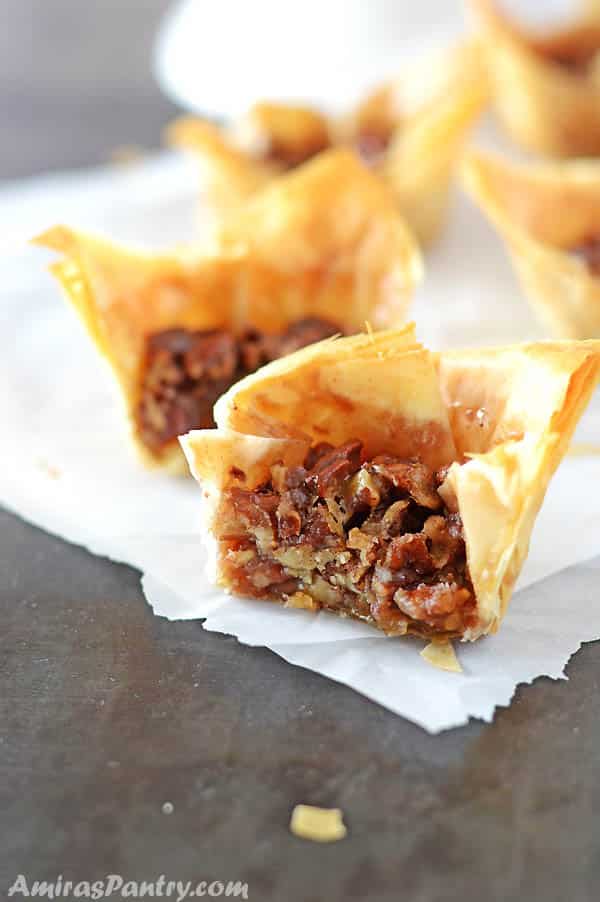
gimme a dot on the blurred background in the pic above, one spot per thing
(77, 78)
(76, 82)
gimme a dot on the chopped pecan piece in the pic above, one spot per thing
(428, 602)
(212, 356)
(412, 477)
(316, 453)
(289, 521)
(255, 508)
(410, 555)
(364, 491)
(444, 538)
(333, 466)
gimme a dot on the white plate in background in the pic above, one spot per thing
(218, 58)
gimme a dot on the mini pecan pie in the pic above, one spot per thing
(549, 215)
(369, 477)
(317, 253)
(546, 85)
(409, 131)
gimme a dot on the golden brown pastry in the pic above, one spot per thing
(409, 131)
(317, 253)
(546, 85)
(285, 136)
(549, 215)
(372, 478)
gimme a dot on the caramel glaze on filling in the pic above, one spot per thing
(588, 251)
(368, 538)
(185, 372)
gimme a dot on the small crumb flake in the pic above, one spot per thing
(442, 655)
(168, 808)
(317, 824)
(303, 601)
(51, 471)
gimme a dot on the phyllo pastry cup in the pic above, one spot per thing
(410, 131)
(545, 85)
(318, 253)
(549, 216)
(370, 477)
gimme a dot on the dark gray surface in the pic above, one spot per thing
(107, 712)
(76, 81)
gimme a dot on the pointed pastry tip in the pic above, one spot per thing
(57, 238)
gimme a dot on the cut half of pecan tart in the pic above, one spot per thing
(315, 254)
(549, 216)
(409, 131)
(369, 477)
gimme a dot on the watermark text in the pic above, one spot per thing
(117, 887)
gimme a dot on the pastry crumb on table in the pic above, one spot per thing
(441, 654)
(318, 824)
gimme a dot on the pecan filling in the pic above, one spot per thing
(574, 65)
(369, 144)
(185, 372)
(589, 253)
(368, 538)
(574, 51)
(288, 157)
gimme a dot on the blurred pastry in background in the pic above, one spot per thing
(549, 215)
(545, 84)
(409, 131)
(317, 253)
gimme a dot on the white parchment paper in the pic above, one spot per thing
(65, 463)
